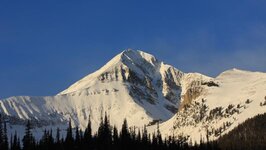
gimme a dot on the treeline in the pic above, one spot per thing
(249, 135)
(106, 138)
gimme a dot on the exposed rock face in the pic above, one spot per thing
(196, 89)
(146, 78)
(190, 95)
(171, 84)
(194, 85)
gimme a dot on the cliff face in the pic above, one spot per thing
(193, 86)
(190, 95)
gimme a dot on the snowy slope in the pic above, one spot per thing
(137, 86)
(133, 85)
(238, 97)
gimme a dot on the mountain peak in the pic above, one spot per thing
(136, 61)
(129, 50)
(130, 57)
(133, 67)
(137, 55)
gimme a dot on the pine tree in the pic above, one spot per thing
(159, 136)
(18, 144)
(145, 136)
(1, 133)
(69, 141)
(58, 135)
(47, 140)
(51, 138)
(125, 135)
(77, 138)
(104, 134)
(11, 142)
(15, 142)
(43, 142)
(107, 130)
(58, 141)
(115, 138)
(138, 138)
(154, 141)
(87, 141)
(5, 139)
(28, 139)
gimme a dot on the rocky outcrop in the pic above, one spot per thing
(191, 94)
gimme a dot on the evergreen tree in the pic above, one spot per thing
(145, 136)
(58, 135)
(5, 139)
(51, 138)
(58, 141)
(115, 138)
(77, 138)
(69, 141)
(11, 142)
(104, 134)
(251, 134)
(1, 133)
(125, 135)
(87, 141)
(15, 142)
(28, 139)
(47, 141)
(154, 141)
(138, 138)
(159, 136)
(107, 130)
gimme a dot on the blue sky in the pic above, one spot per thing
(45, 46)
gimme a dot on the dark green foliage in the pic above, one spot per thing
(15, 142)
(3, 134)
(248, 101)
(87, 133)
(104, 134)
(210, 83)
(28, 139)
(215, 113)
(47, 141)
(125, 135)
(249, 135)
(5, 139)
(115, 138)
(87, 138)
(69, 141)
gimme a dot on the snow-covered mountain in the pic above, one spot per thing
(236, 96)
(133, 85)
(137, 86)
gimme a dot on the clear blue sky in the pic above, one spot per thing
(45, 46)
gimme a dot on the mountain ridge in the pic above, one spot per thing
(137, 86)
